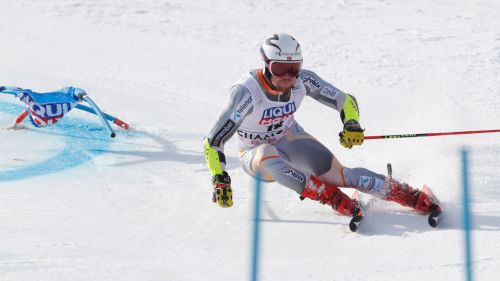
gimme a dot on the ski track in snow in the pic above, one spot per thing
(78, 205)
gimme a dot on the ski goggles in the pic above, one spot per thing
(282, 68)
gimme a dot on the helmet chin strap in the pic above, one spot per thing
(267, 77)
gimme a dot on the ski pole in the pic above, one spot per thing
(108, 117)
(100, 115)
(430, 134)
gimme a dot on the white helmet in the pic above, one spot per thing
(282, 48)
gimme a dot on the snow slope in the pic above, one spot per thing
(76, 205)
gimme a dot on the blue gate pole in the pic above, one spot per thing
(466, 215)
(256, 229)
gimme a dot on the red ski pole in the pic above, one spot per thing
(430, 134)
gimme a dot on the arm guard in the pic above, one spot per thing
(213, 158)
(350, 110)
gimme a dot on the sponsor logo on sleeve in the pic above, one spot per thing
(329, 92)
(311, 80)
(222, 133)
(237, 113)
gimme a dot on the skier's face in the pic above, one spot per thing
(283, 83)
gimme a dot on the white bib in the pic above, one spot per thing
(269, 120)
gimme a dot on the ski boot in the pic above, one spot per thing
(408, 196)
(422, 201)
(331, 195)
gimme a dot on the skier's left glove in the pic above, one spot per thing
(352, 134)
(223, 194)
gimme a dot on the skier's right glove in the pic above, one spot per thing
(223, 194)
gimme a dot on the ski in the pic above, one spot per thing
(435, 209)
(358, 213)
(354, 224)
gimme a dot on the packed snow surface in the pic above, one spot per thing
(77, 205)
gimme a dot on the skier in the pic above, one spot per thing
(261, 111)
